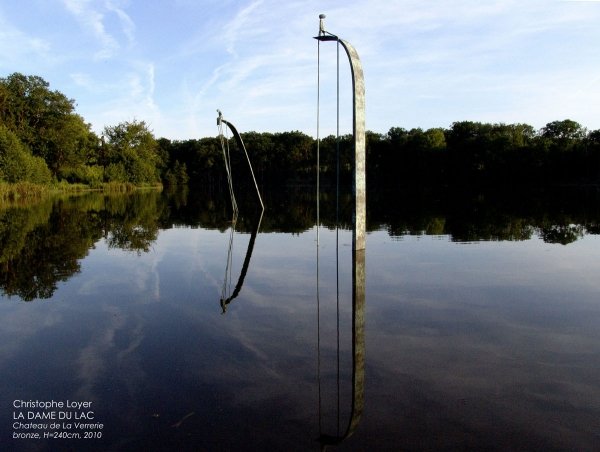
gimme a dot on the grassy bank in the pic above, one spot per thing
(22, 191)
(26, 191)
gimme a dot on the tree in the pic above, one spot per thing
(181, 173)
(177, 175)
(436, 140)
(563, 130)
(132, 153)
(71, 144)
(45, 121)
(16, 162)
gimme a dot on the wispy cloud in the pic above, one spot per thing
(426, 64)
(130, 95)
(92, 17)
(127, 24)
(234, 28)
(262, 65)
(92, 20)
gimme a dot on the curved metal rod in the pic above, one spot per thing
(358, 238)
(358, 128)
(238, 287)
(240, 144)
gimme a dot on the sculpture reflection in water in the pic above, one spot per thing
(358, 249)
(226, 295)
(358, 353)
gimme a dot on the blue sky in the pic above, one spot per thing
(427, 63)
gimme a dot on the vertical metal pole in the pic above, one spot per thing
(318, 137)
(359, 235)
(318, 225)
(358, 130)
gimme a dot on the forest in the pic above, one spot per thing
(44, 141)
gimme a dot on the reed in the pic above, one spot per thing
(118, 187)
(22, 191)
(64, 186)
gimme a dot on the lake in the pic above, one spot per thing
(152, 321)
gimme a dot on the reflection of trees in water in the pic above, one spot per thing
(558, 216)
(462, 215)
(134, 226)
(563, 234)
(45, 249)
(42, 244)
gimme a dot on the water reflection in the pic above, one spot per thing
(357, 389)
(357, 396)
(491, 346)
(226, 295)
(561, 215)
(42, 244)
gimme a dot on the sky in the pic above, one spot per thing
(427, 63)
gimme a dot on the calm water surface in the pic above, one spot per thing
(142, 306)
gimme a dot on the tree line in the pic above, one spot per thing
(475, 153)
(43, 140)
(465, 154)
